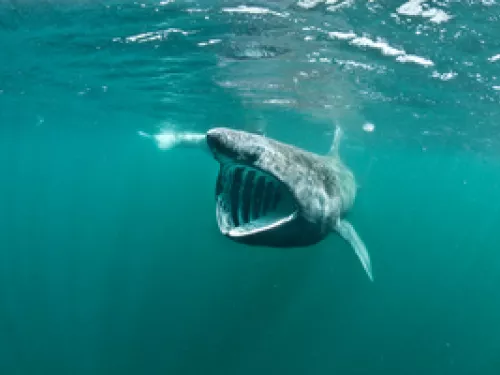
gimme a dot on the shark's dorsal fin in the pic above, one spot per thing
(334, 148)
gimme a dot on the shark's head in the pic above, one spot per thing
(270, 193)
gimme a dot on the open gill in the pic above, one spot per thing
(234, 192)
(257, 197)
(268, 197)
(276, 199)
(250, 195)
(246, 196)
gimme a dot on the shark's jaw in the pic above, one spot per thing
(251, 201)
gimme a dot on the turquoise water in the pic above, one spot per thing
(110, 258)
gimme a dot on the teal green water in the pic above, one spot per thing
(110, 258)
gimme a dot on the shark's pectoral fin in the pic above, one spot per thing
(348, 233)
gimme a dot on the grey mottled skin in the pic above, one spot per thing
(322, 186)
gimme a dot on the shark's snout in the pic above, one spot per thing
(221, 142)
(237, 146)
(214, 139)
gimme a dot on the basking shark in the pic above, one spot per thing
(270, 193)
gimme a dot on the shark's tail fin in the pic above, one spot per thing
(348, 233)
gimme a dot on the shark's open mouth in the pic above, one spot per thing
(251, 201)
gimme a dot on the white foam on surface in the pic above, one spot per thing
(436, 15)
(415, 8)
(355, 64)
(253, 10)
(309, 4)
(444, 76)
(382, 46)
(341, 36)
(494, 58)
(338, 4)
(415, 59)
(332, 5)
(152, 36)
(209, 42)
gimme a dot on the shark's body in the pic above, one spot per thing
(269, 193)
